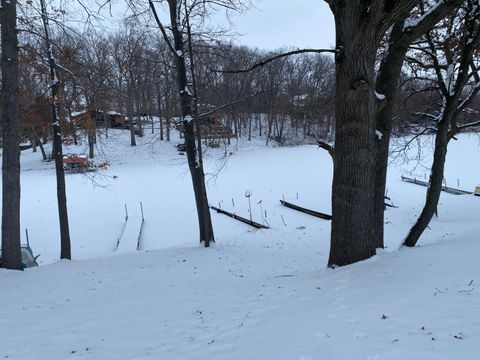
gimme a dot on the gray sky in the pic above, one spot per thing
(294, 23)
(270, 24)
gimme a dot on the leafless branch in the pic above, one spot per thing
(273, 58)
(162, 28)
(208, 113)
(325, 146)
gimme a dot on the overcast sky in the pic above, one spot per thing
(294, 23)
(269, 24)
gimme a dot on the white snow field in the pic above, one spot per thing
(256, 294)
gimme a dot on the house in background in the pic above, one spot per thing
(211, 128)
(103, 119)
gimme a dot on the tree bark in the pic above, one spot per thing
(11, 247)
(386, 85)
(354, 152)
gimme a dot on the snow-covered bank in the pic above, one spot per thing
(247, 300)
(257, 294)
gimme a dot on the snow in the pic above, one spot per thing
(78, 113)
(380, 97)
(411, 23)
(379, 134)
(129, 235)
(256, 294)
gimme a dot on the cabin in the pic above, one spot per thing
(110, 119)
(211, 128)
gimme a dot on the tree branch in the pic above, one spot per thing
(273, 58)
(208, 113)
(325, 146)
(162, 28)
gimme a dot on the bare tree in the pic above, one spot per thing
(65, 247)
(449, 54)
(397, 42)
(198, 177)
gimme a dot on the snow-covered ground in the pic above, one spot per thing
(256, 294)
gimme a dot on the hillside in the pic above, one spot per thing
(256, 294)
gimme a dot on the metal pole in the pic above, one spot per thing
(261, 212)
(26, 234)
(250, 208)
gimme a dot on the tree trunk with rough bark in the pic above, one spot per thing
(386, 85)
(11, 248)
(354, 153)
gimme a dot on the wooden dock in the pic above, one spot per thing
(447, 189)
(306, 211)
(239, 218)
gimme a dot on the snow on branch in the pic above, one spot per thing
(469, 125)
(414, 28)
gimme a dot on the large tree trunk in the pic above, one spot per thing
(11, 249)
(354, 153)
(65, 247)
(386, 85)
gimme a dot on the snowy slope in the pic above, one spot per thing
(257, 294)
(247, 300)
